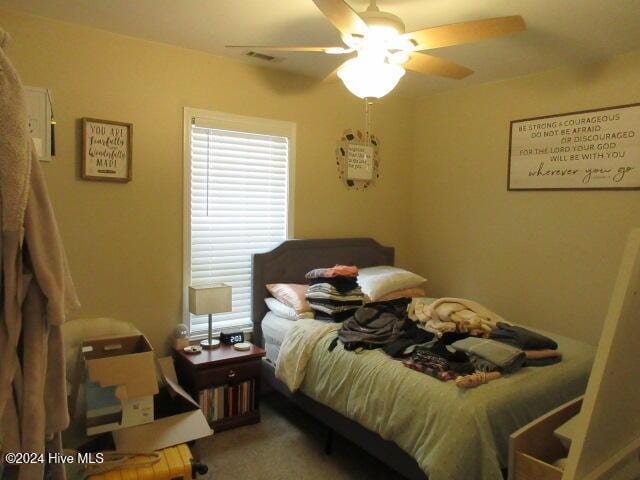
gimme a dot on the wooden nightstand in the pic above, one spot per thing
(226, 383)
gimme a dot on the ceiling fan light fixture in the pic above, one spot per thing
(370, 79)
(384, 50)
(381, 33)
(385, 21)
(398, 58)
(402, 43)
(352, 41)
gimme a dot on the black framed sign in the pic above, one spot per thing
(106, 150)
(588, 150)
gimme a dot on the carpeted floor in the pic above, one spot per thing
(286, 444)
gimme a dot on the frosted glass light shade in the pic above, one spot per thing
(370, 79)
(213, 298)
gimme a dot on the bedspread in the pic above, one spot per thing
(453, 434)
(297, 348)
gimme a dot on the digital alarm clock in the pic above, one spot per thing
(231, 337)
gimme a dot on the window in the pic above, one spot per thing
(237, 179)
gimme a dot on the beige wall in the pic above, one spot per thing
(125, 241)
(544, 258)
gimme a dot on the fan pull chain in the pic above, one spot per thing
(208, 167)
(368, 106)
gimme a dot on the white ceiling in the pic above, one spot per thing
(559, 31)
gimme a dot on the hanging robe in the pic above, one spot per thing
(37, 291)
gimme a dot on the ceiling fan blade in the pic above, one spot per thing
(287, 48)
(333, 76)
(430, 65)
(465, 32)
(343, 17)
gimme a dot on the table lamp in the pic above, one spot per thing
(207, 300)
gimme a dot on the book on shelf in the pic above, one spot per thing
(226, 401)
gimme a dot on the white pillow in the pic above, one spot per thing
(378, 281)
(285, 311)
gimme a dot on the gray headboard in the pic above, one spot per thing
(289, 261)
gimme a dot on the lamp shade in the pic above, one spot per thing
(370, 79)
(212, 298)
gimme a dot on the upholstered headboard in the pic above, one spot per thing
(289, 261)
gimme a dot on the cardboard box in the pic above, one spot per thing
(178, 418)
(120, 382)
(105, 412)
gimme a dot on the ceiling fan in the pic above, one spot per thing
(383, 49)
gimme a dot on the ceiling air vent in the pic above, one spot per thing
(261, 56)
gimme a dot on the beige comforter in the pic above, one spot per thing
(453, 434)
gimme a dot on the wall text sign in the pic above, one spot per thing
(359, 162)
(592, 149)
(106, 150)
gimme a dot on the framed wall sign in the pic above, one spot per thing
(106, 150)
(587, 150)
(357, 160)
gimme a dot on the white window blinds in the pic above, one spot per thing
(238, 207)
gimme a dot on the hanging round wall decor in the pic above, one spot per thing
(357, 159)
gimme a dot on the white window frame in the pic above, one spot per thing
(238, 123)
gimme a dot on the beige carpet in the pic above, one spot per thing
(286, 444)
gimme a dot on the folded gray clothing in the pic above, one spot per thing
(327, 294)
(316, 273)
(505, 357)
(330, 289)
(331, 309)
(337, 303)
(482, 365)
(337, 298)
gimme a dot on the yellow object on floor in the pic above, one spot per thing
(176, 463)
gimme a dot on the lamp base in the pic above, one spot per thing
(210, 345)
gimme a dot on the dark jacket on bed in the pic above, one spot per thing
(382, 325)
(521, 337)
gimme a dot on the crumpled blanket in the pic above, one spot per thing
(454, 315)
(297, 348)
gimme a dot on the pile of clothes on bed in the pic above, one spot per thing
(384, 307)
(448, 339)
(334, 293)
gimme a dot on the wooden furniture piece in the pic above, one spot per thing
(224, 366)
(534, 448)
(607, 436)
(288, 263)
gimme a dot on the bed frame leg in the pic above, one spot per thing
(328, 441)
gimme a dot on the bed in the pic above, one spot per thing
(432, 430)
